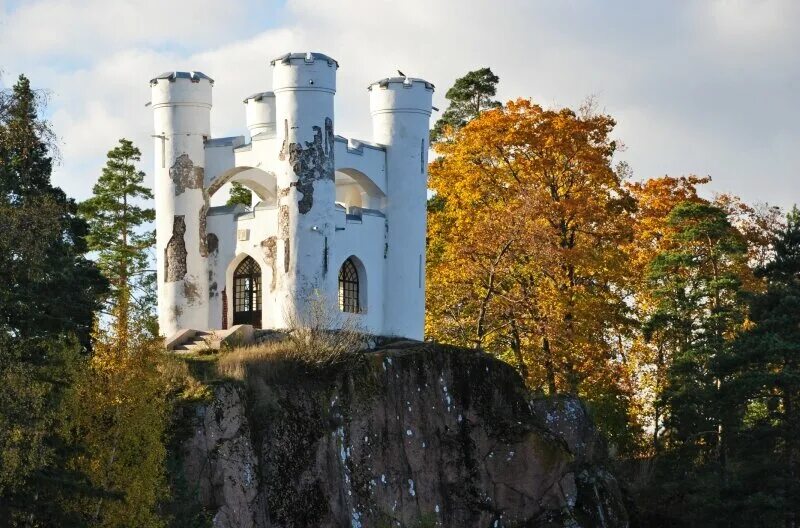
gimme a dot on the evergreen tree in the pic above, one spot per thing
(697, 283)
(240, 195)
(469, 96)
(48, 295)
(763, 385)
(47, 286)
(115, 230)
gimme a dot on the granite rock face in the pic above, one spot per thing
(412, 434)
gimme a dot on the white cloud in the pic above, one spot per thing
(86, 29)
(704, 87)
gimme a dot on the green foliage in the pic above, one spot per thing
(469, 96)
(48, 295)
(697, 285)
(115, 233)
(240, 195)
(35, 376)
(41, 275)
(730, 451)
(118, 417)
(762, 386)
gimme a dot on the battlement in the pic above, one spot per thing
(329, 209)
(406, 82)
(258, 96)
(172, 76)
(307, 58)
(299, 72)
(260, 113)
(401, 95)
(177, 88)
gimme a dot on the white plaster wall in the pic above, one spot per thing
(260, 225)
(364, 241)
(181, 116)
(304, 91)
(261, 153)
(219, 154)
(401, 110)
(367, 158)
(224, 226)
(390, 175)
(260, 114)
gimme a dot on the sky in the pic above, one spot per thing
(707, 87)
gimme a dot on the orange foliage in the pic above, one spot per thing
(527, 243)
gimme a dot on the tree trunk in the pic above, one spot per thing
(516, 346)
(549, 367)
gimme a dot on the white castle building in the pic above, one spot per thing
(334, 218)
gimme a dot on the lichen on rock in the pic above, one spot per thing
(409, 431)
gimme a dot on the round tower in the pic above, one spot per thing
(260, 113)
(304, 85)
(181, 104)
(401, 110)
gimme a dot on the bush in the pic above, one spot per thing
(309, 344)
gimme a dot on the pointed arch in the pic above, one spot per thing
(352, 286)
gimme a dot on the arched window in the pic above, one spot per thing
(247, 293)
(348, 287)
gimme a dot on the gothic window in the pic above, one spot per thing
(247, 293)
(348, 287)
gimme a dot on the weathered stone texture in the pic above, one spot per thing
(175, 252)
(310, 163)
(270, 249)
(412, 434)
(219, 461)
(185, 175)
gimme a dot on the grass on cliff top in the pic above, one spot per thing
(302, 351)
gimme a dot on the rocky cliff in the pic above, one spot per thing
(408, 435)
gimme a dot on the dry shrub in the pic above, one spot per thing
(180, 381)
(310, 345)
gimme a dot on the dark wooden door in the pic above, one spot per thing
(247, 293)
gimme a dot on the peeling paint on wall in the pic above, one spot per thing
(283, 221)
(311, 163)
(212, 243)
(176, 312)
(212, 284)
(282, 153)
(203, 223)
(175, 252)
(190, 291)
(185, 175)
(283, 233)
(270, 248)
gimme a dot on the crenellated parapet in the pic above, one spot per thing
(320, 200)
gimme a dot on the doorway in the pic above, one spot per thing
(247, 293)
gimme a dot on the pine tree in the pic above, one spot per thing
(763, 385)
(469, 96)
(47, 286)
(240, 195)
(48, 295)
(697, 285)
(115, 230)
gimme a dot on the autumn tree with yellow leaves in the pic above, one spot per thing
(527, 245)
